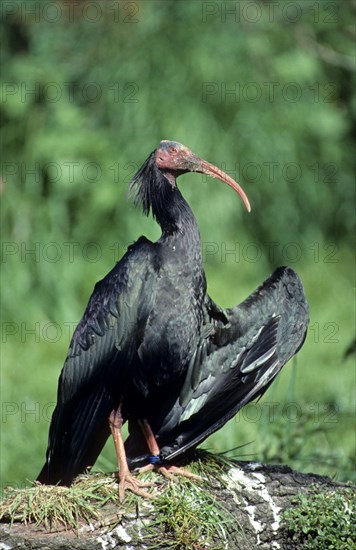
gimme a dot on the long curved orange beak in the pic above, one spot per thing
(205, 167)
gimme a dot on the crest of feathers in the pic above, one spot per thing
(152, 191)
(142, 186)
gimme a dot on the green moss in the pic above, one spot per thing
(188, 516)
(322, 520)
(54, 507)
(184, 514)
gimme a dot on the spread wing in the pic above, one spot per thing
(101, 356)
(236, 364)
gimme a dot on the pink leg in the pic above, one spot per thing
(127, 480)
(167, 471)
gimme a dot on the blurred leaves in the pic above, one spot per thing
(88, 94)
(253, 95)
(265, 92)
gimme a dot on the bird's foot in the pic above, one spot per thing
(147, 468)
(170, 472)
(131, 483)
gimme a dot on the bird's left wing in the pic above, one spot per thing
(237, 364)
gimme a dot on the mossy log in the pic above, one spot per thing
(238, 505)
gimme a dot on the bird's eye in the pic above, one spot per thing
(172, 150)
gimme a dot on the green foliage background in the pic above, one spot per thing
(267, 93)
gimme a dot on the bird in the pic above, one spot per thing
(141, 327)
(154, 349)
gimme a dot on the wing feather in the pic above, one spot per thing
(250, 345)
(101, 353)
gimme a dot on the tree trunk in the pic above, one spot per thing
(253, 495)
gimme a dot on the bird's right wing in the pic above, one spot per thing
(102, 352)
(251, 344)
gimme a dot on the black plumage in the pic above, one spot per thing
(246, 349)
(154, 347)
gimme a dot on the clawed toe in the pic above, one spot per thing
(171, 472)
(131, 483)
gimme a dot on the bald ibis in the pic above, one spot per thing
(154, 349)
